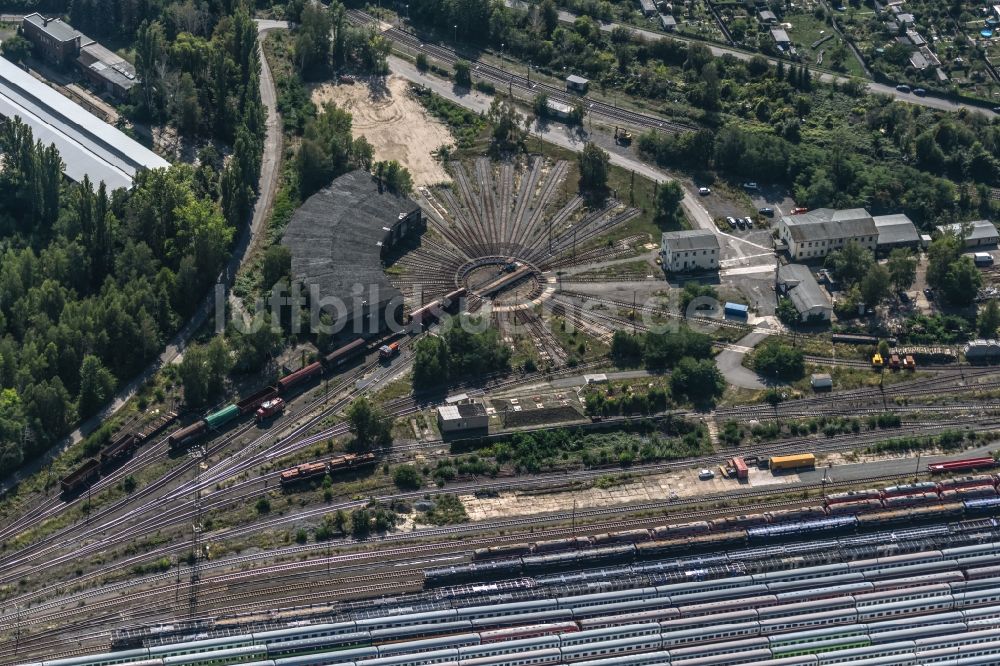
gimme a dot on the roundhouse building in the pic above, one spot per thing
(338, 240)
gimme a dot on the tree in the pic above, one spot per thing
(699, 380)
(776, 360)
(626, 349)
(422, 64)
(787, 313)
(406, 477)
(203, 371)
(989, 319)
(668, 202)
(850, 264)
(962, 282)
(463, 74)
(370, 425)
(508, 133)
(16, 48)
(97, 385)
(396, 178)
(277, 264)
(875, 285)
(902, 266)
(594, 167)
(187, 110)
(312, 39)
(941, 254)
(149, 54)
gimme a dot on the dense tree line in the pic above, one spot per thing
(325, 41)
(457, 355)
(93, 283)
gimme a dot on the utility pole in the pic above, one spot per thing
(634, 317)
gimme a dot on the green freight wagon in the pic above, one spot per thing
(222, 417)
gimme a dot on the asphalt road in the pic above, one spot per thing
(730, 362)
(246, 241)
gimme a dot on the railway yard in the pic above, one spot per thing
(862, 551)
(570, 508)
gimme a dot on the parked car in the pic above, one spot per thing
(749, 221)
(996, 109)
(740, 223)
(929, 294)
(903, 297)
(750, 185)
(731, 222)
(704, 191)
(903, 88)
(919, 92)
(769, 212)
(706, 474)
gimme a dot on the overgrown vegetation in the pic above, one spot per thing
(458, 354)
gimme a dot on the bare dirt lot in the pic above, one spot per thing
(394, 123)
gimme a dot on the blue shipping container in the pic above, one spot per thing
(736, 310)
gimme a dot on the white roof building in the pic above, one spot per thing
(88, 146)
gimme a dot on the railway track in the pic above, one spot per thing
(512, 81)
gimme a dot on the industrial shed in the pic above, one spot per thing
(88, 146)
(896, 231)
(465, 418)
(980, 232)
(337, 239)
(797, 283)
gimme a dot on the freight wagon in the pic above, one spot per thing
(321, 468)
(792, 462)
(965, 465)
(81, 477)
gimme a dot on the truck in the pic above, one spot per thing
(269, 408)
(792, 462)
(386, 352)
(623, 137)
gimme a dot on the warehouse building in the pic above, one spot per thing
(107, 71)
(896, 231)
(819, 232)
(87, 145)
(796, 282)
(53, 39)
(979, 233)
(338, 238)
(61, 44)
(463, 419)
(689, 251)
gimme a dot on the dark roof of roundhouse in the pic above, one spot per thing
(335, 236)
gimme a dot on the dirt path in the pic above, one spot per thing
(394, 123)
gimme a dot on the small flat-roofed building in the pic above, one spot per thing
(668, 22)
(56, 41)
(689, 251)
(896, 231)
(796, 282)
(647, 7)
(87, 145)
(918, 60)
(767, 17)
(979, 233)
(337, 238)
(780, 38)
(464, 418)
(107, 71)
(817, 233)
(576, 83)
